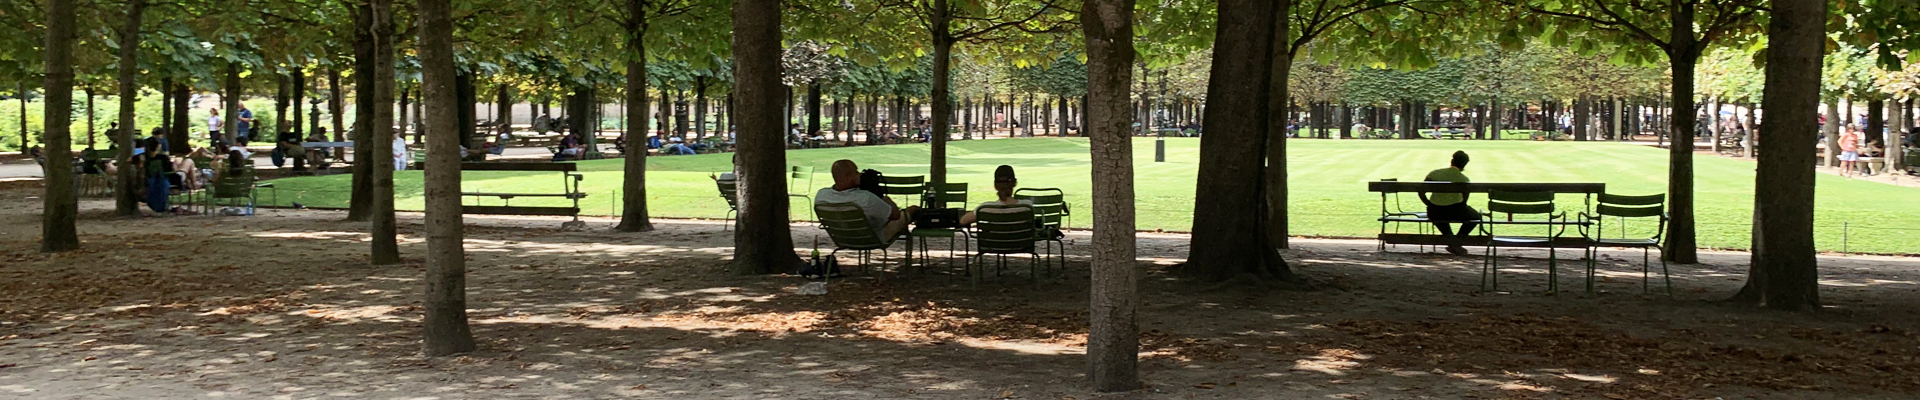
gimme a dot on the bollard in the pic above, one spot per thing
(1160, 149)
(1843, 238)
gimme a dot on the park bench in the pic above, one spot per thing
(536, 140)
(322, 149)
(570, 189)
(1523, 199)
(1393, 213)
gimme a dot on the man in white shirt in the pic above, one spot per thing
(887, 219)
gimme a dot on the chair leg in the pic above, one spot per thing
(1553, 271)
(1645, 268)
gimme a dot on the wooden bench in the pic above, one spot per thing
(1398, 214)
(570, 189)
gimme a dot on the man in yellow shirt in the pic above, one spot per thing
(1445, 208)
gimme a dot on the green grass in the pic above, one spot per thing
(1328, 189)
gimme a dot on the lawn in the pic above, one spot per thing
(1328, 188)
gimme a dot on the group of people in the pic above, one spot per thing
(860, 188)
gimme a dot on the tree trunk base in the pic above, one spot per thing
(633, 227)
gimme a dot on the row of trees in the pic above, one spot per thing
(1247, 98)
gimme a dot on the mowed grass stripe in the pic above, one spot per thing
(1328, 190)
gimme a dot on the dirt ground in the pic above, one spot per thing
(282, 305)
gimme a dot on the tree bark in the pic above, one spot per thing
(633, 186)
(1896, 125)
(1831, 130)
(503, 103)
(60, 204)
(468, 100)
(1280, 68)
(299, 97)
(446, 303)
(1785, 272)
(1113, 340)
(363, 108)
(385, 243)
(764, 242)
(1226, 242)
(177, 133)
(941, 29)
(1582, 113)
(1683, 53)
(334, 105)
(125, 203)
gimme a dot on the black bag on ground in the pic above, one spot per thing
(818, 268)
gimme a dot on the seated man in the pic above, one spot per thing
(1445, 207)
(887, 219)
(570, 149)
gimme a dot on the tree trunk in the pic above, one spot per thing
(503, 103)
(125, 202)
(1891, 143)
(385, 244)
(1684, 54)
(1785, 273)
(446, 303)
(406, 103)
(942, 89)
(633, 186)
(358, 209)
(1582, 112)
(282, 90)
(763, 244)
(1226, 242)
(299, 97)
(468, 99)
(1113, 340)
(700, 108)
(60, 205)
(177, 133)
(22, 91)
(334, 105)
(1831, 130)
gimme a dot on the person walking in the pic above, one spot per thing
(215, 124)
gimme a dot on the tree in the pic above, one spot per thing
(1785, 273)
(1227, 243)
(385, 242)
(949, 22)
(358, 209)
(1113, 341)
(763, 242)
(446, 303)
(125, 204)
(1672, 31)
(57, 231)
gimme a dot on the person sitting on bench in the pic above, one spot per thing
(570, 149)
(886, 218)
(1443, 208)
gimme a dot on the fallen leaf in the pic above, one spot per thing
(1204, 385)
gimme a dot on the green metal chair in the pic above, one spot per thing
(234, 190)
(1650, 208)
(1050, 208)
(1539, 209)
(97, 183)
(799, 181)
(730, 190)
(846, 224)
(1007, 229)
(944, 196)
(909, 186)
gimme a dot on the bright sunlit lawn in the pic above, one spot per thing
(1328, 183)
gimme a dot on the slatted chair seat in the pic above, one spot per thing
(846, 224)
(729, 190)
(1008, 229)
(1051, 209)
